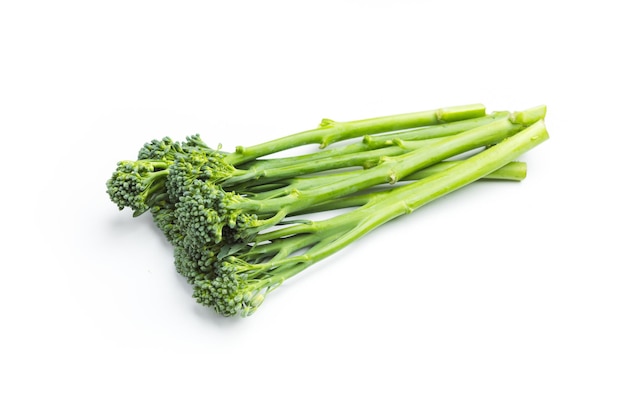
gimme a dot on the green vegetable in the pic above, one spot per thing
(141, 184)
(235, 219)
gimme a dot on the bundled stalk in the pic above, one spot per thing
(238, 222)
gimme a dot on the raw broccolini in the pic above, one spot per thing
(236, 219)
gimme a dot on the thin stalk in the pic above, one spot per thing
(513, 171)
(330, 131)
(390, 170)
(432, 132)
(408, 198)
(370, 142)
(279, 249)
(368, 158)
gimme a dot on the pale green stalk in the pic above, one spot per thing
(336, 233)
(331, 131)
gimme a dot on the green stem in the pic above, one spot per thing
(331, 131)
(370, 142)
(432, 132)
(255, 176)
(390, 170)
(279, 249)
(408, 198)
(513, 171)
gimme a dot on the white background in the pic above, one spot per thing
(503, 299)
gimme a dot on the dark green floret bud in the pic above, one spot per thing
(196, 165)
(138, 184)
(238, 287)
(205, 215)
(165, 219)
(165, 149)
(195, 266)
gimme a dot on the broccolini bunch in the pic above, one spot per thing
(238, 221)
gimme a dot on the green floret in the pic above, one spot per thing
(164, 149)
(167, 149)
(192, 258)
(164, 217)
(197, 211)
(195, 265)
(238, 287)
(138, 184)
(196, 164)
(205, 215)
(163, 171)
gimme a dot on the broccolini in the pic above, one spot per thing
(238, 223)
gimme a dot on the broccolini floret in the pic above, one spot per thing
(138, 184)
(141, 185)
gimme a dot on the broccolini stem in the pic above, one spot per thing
(390, 170)
(370, 142)
(365, 154)
(279, 249)
(419, 193)
(432, 132)
(407, 198)
(330, 131)
(513, 171)
(368, 158)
